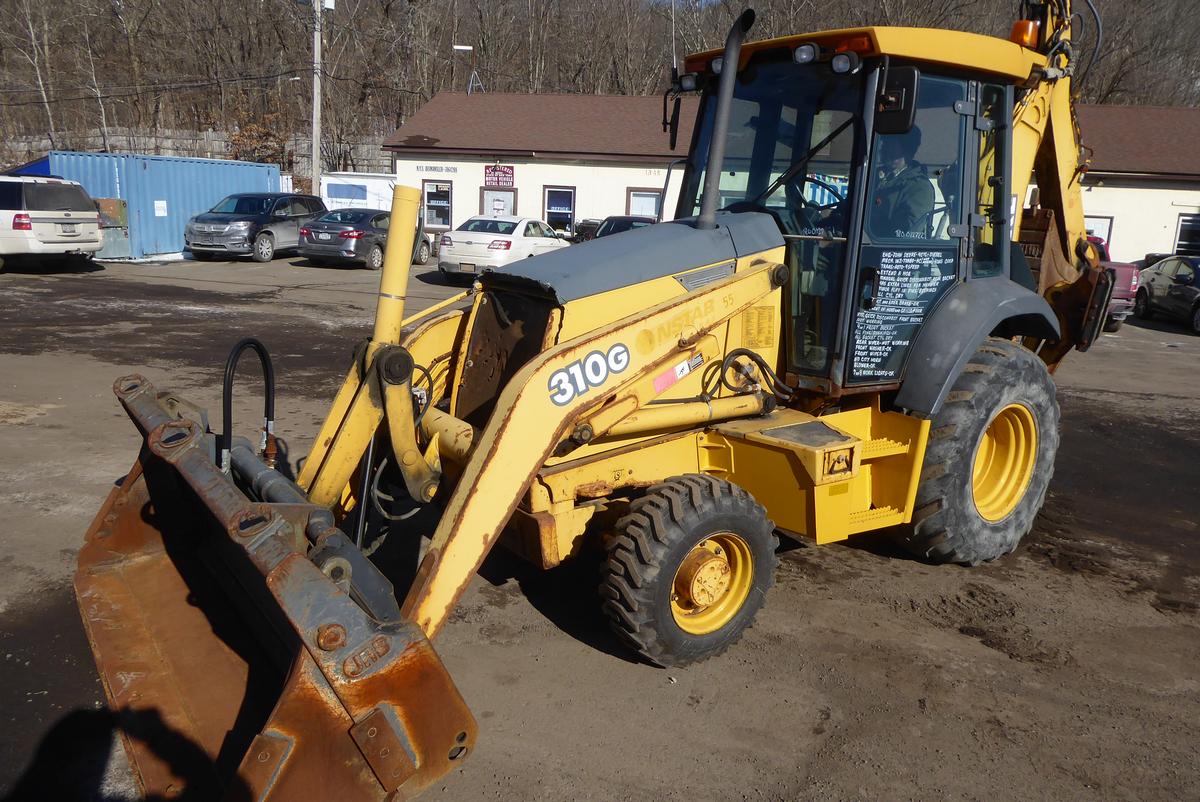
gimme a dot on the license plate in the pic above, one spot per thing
(466, 268)
(324, 236)
(68, 228)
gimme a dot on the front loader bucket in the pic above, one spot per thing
(237, 669)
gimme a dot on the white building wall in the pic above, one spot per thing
(600, 187)
(1145, 215)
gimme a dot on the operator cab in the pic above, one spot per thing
(889, 179)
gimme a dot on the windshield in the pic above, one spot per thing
(792, 130)
(489, 226)
(57, 198)
(243, 204)
(619, 225)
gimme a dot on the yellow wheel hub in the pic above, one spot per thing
(712, 583)
(1004, 462)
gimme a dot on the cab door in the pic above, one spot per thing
(914, 241)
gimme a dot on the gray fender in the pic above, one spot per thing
(953, 331)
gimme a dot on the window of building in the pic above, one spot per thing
(347, 194)
(558, 206)
(1098, 226)
(642, 201)
(437, 203)
(497, 201)
(1187, 239)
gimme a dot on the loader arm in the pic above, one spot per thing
(528, 423)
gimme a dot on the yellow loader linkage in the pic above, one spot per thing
(854, 343)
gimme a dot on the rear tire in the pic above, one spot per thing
(1141, 306)
(1196, 319)
(375, 258)
(687, 569)
(423, 253)
(988, 461)
(264, 248)
(1112, 325)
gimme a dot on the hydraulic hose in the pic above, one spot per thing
(268, 371)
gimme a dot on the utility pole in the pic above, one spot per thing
(316, 109)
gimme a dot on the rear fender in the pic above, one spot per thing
(950, 335)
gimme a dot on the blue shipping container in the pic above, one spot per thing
(162, 192)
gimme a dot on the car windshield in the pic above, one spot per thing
(345, 216)
(243, 204)
(57, 198)
(619, 225)
(486, 226)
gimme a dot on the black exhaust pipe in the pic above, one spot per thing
(716, 149)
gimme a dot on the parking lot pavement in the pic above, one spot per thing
(1066, 670)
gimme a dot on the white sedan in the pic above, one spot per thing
(494, 241)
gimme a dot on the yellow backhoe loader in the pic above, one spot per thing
(849, 327)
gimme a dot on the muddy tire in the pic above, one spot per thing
(989, 459)
(687, 569)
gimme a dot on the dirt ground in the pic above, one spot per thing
(1067, 670)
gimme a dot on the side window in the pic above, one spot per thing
(10, 196)
(532, 230)
(281, 205)
(1168, 266)
(547, 231)
(916, 180)
(297, 208)
(1186, 272)
(381, 220)
(315, 206)
(989, 229)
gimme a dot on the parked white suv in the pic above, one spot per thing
(493, 241)
(46, 216)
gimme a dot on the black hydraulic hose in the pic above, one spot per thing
(1098, 44)
(716, 148)
(268, 370)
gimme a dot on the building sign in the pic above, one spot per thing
(497, 175)
(435, 168)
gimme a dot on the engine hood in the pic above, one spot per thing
(640, 255)
(217, 217)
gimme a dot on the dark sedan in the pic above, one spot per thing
(617, 224)
(347, 235)
(1171, 288)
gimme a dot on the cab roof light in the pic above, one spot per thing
(855, 44)
(689, 82)
(1025, 33)
(806, 53)
(845, 63)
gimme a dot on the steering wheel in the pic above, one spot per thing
(816, 207)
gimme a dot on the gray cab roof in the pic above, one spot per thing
(643, 254)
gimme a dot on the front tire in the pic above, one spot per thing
(264, 248)
(688, 568)
(989, 459)
(1196, 319)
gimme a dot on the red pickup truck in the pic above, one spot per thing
(1125, 287)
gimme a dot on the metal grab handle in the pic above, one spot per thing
(227, 396)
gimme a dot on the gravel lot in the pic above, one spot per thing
(1066, 670)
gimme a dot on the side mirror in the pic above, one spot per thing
(279, 213)
(1181, 278)
(896, 105)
